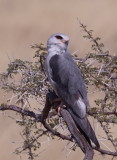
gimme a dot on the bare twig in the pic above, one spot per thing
(37, 117)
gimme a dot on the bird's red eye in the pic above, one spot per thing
(59, 37)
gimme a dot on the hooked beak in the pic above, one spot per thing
(65, 42)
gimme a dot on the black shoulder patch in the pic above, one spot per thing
(54, 64)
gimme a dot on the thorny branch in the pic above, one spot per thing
(90, 37)
(38, 118)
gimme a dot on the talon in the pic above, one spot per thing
(58, 111)
(59, 108)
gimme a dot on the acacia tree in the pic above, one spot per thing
(27, 80)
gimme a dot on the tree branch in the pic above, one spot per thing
(25, 112)
(80, 140)
(38, 117)
(100, 112)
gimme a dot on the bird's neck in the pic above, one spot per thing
(56, 49)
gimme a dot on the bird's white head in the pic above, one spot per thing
(58, 40)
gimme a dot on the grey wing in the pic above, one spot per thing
(69, 83)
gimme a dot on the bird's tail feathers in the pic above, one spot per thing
(85, 128)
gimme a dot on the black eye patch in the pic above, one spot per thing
(59, 37)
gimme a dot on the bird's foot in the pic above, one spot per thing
(58, 109)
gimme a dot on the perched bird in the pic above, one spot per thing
(68, 83)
